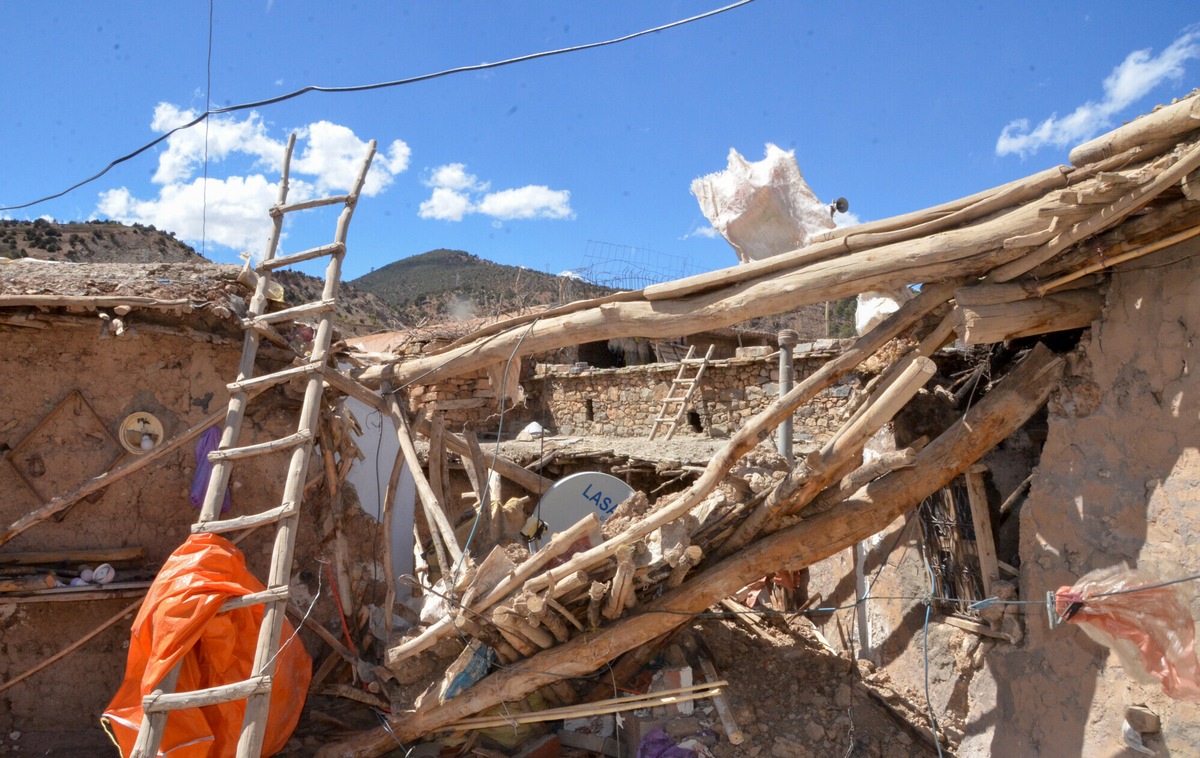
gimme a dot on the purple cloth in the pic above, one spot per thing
(208, 442)
(656, 744)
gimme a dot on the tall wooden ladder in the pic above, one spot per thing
(682, 388)
(256, 690)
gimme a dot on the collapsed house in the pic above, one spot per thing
(1055, 440)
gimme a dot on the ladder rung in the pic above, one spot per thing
(270, 446)
(683, 381)
(158, 701)
(221, 526)
(279, 210)
(255, 598)
(333, 248)
(694, 361)
(278, 377)
(290, 314)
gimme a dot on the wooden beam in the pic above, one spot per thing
(757, 429)
(103, 555)
(429, 501)
(988, 324)
(969, 251)
(1171, 121)
(503, 466)
(996, 416)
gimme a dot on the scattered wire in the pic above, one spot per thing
(933, 724)
(483, 495)
(368, 87)
(296, 629)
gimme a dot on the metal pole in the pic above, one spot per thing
(787, 340)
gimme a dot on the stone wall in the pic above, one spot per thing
(625, 402)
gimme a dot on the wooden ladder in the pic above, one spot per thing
(681, 383)
(256, 690)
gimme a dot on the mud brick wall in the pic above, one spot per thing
(624, 402)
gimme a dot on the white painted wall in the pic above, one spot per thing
(369, 476)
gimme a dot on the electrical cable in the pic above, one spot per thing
(369, 87)
(207, 107)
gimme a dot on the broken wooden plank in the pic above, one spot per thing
(974, 626)
(989, 324)
(757, 428)
(102, 555)
(1106, 217)
(981, 519)
(996, 416)
(433, 509)
(558, 544)
(506, 467)
(842, 451)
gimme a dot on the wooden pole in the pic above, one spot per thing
(757, 429)
(994, 418)
(429, 501)
(969, 251)
(558, 545)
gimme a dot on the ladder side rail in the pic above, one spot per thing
(218, 479)
(258, 706)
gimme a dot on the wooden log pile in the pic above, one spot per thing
(1017, 261)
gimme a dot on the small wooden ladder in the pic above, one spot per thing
(256, 690)
(681, 383)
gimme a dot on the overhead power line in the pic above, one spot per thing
(368, 87)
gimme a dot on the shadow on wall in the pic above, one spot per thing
(1116, 485)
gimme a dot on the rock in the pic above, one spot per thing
(1142, 719)
(788, 747)
(814, 731)
(842, 698)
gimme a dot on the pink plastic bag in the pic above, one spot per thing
(1149, 627)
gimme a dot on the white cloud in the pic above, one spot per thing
(1133, 79)
(233, 212)
(446, 205)
(235, 216)
(569, 274)
(334, 154)
(226, 136)
(454, 176)
(531, 201)
(705, 231)
(457, 193)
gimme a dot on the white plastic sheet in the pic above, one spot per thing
(762, 208)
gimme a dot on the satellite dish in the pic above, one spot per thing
(573, 497)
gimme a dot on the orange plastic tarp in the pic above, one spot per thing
(1148, 625)
(179, 621)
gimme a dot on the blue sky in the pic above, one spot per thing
(896, 106)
